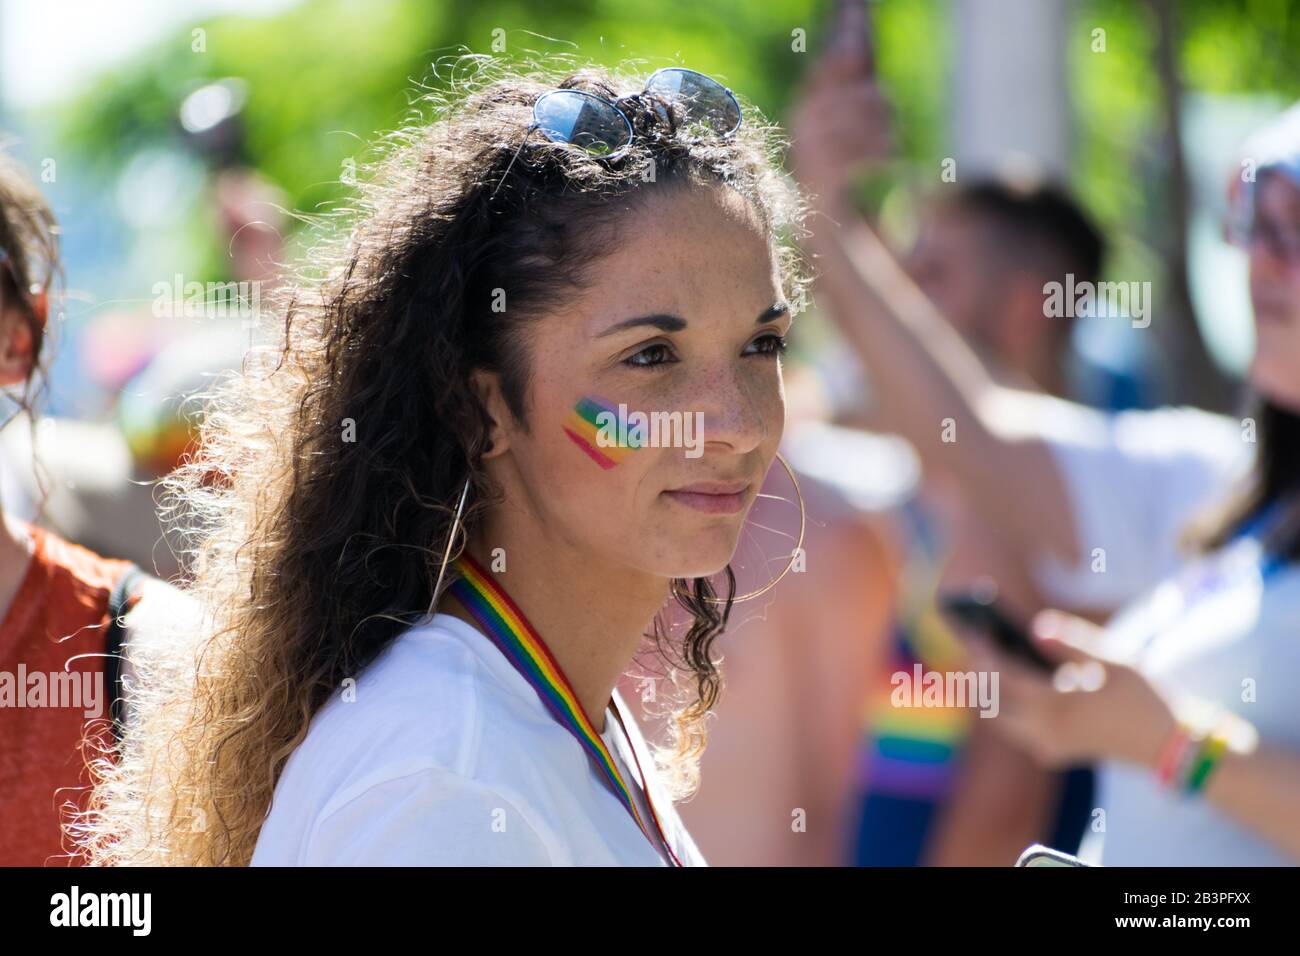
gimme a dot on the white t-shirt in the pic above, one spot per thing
(1134, 480)
(443, 754)
(1219, 632)
(1202, 629)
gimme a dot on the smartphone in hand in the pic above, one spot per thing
(1039, 855)
(979, 612)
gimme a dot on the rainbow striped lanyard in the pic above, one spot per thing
(506, 626)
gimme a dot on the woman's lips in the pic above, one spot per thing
(712, 497)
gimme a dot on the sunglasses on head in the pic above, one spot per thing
(1245, 227)
(600, 126)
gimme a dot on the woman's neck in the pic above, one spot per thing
(592, 616)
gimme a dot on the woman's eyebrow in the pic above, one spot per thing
(675, 323)
(773, 312)
(661, 321)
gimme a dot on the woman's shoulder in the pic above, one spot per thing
(432, 723)
(432, 693)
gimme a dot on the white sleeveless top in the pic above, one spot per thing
(443, 754)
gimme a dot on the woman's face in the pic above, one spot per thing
(16, 339)
(682, 324)
(1275, 291)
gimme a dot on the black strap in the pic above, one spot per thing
(113, 638)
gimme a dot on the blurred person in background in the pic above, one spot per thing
(983, 251)
(69, 615)
(1094, 506)
(102, 475)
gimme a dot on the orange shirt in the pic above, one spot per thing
(59, 612)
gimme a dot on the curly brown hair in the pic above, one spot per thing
(312, 554)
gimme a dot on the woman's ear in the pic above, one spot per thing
(488, 387)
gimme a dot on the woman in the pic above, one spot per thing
(63, 609)
(1187, 696)
(531, 260)
(1185, 699)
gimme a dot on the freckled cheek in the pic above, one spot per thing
(581, 468)
(772, 392)
(767, 401)
(726, 381)
(752, 397)
(564, 438)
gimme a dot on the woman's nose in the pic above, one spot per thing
(737, 415)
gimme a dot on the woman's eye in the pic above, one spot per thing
(662, 354)
(768, 345)
(650, 356)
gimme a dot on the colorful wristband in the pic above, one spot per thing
(1173, 754)
(1209, 754)
(1205, 732)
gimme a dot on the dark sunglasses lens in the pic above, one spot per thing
(586, 121)
(702, 100)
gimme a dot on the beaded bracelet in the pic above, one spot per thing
(1173, 755)
(1208, 756)
(1189, 757)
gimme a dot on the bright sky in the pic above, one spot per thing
(49, 48)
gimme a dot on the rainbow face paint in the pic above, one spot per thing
(594, 426)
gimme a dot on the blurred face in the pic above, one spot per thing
(16, 339)
(950, 263)
(1275, 291)
(655, 405)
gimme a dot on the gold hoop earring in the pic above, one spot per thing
(798, 548)
(446, 554)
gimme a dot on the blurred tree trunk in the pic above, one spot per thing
(1188, 370)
